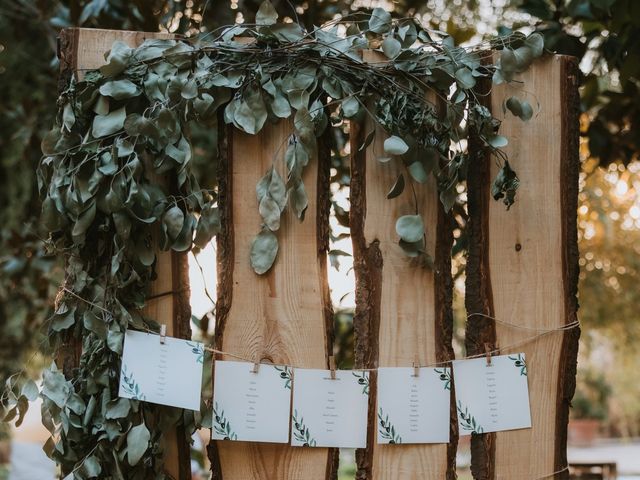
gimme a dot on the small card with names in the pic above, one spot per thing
(250, 405)
(330, 412)
(494, 396)
(168, 373)
(413, 409)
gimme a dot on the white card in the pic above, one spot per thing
(413, 409)
(249, 406)
(168, 374)
(330, 413)
(494, 397)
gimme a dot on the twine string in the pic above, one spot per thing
(542, 333)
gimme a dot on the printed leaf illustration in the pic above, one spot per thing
(130, 386)
(286, 374)
(520, 363)
(221, 424)
(467, 421)
(198, 350)
(387, 429)
(363, 379)
(445, 375)
(301, 431)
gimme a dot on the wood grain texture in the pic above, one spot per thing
(283, 316)
(529, 267)
(403, 310)
(84, 49)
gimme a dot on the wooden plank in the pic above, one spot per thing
(403, 310)
(81, 50)
(284, 315)
(523, 267)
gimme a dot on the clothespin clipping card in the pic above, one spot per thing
(416, 367)
(487, 351)
(332, 367)
(256, 365)
(163, 334)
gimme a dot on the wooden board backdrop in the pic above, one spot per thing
(83, 49)
(403, 310)
(284, 316)
(523, 266)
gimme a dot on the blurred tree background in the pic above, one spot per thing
(604, 34)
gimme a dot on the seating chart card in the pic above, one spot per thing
(168, 373)
(413, 409)
(248, 406)
(492, 397)
(328, 412)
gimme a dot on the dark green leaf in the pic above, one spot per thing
(398, 187)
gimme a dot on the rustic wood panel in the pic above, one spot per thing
(81, 50)
(523, 266)
(284, 315)
(403, 310)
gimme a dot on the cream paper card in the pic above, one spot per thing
(167, 374)
(252, 407)
(330, 413)
(494, 397)
(413, 409)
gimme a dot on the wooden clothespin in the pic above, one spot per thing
(416, 367)
(256, 365)
(332, 367)
(487, 351)
(163, 334)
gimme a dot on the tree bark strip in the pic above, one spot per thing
(478, 297)
(569, 172)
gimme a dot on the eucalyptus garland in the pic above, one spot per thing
(127, 123)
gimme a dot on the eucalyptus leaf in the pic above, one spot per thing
(410, 228)
(397, 188)
(266, 14)
(391, 47)
(270, 213)
(108, 124)
(172, 221)
(120, 89)
(367, 141)
(264, 249)
(116, 59)
(394, 145)
(380, 20)
(418, 172)
(137, 443)
(465, 78)
(497, 141)
(30, 390)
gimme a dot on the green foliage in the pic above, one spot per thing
(611, 65)
(132, 120)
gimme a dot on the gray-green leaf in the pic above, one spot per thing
(410, 228)
(120, 89)
(395, 146)
(266, 14)
(391, 47)
(137, 443)
(380, 21)
(264, 249)
(104, 125)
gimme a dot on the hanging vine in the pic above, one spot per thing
(126, 123)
